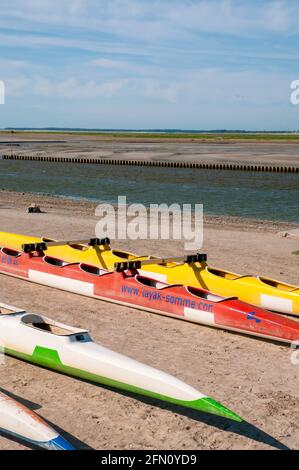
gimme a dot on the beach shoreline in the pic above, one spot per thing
(78, 205)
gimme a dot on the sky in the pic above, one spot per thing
(140, 64)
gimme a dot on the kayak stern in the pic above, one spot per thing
(59, 443)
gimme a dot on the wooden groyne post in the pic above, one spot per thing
(158, 163)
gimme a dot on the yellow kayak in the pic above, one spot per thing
(261, 291)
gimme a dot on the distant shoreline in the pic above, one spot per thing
(158, 135)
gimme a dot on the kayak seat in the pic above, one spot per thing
(203, 294)
(55, 261)
(79, 247)
(87, 268)
(146, 281)
(122, 254)
(223, 274)
(36, 321)
(277, 284)
(76, 247)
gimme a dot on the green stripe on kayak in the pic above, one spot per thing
(49, 358)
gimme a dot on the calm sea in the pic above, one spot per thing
(268, 196)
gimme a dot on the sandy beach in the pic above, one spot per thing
(252, 377)
(128, 118)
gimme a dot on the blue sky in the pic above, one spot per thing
(189, 64)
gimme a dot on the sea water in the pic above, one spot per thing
(268, 196)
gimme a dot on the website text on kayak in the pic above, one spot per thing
(156, 222)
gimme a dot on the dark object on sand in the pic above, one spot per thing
(33, 208)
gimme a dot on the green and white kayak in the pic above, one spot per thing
(39, 340)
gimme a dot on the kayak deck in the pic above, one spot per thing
(130, 288)
(256, 290)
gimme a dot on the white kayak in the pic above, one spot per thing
(21, 422)
(72, 351)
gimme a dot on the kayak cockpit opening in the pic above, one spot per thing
(87, 268)
(154, 284)
(10, 252)
(50, 326)
(78, 247)
(37, 321)
(204, 294)
(55, 261)
(277, 284)
(75, 246)
(122, 254)
(223, 274)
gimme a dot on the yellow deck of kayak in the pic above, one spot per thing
(261, 291)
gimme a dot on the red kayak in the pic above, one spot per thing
(127, 287)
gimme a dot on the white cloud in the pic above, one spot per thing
(69, 88)
(113, 68)
(153, 89)
(157, 19)
(109, 64)
(228, 89)
(233, 17)
(196, 87)
(15, 64)
(72, 88)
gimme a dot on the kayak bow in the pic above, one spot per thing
(19, 421)
(40, 340)
(257, 290)
(129, 288)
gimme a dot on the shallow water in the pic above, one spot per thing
(269, 196)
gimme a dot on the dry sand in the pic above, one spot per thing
(252, 377)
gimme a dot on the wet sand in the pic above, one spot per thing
(252, 377)
(172, 150)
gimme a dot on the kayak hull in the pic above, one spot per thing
(18, 421)
(133, 290)
(203, 404)
(71, 351)
(260, 291)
